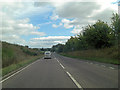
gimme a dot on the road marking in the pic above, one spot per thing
(111, 68)
(91, 63)
(76, 83)
(17, 72)
(62, 66)
(71, 77)
(103, 65)
(58, 61)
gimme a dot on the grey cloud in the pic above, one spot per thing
(40, 4)
(77, 9)
(104, 15)
(83, 13)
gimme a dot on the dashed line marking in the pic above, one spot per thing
(111, 68)
(76, 83)
(71, 77)
(58, 61)
(17, 72)
(100, 65)
(62, 66)
(103, 65)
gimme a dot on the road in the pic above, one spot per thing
(64, 72)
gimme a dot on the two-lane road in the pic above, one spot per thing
(64, 72)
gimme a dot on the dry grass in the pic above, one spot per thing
(107, 55)
(16, 56)
(12, 54)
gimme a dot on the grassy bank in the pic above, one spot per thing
(14, 67)
(15, 56)
(107, 55)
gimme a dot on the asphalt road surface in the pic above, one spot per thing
(64, 72)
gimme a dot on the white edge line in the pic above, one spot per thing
(17, 72)
(76, 83)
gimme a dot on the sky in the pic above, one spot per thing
(40, 24)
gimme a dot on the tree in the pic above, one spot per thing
(116, 27)
(82, 42)
(98, 35)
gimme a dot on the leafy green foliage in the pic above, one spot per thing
(97, 36)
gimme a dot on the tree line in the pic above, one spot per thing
(95, 36)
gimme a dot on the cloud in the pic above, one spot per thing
(77, 30)
(48, 41)
(52, 38)
(38, 33)
(11, 28)
(46, 23)
(14, 39)
(84, 13)
(72, 15)
(18, 27)
(55, 26)
(54, 17)
(105, 15)
(77, 9)
(67, 23)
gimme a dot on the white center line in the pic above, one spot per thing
(111, 67)
(76, 83)
(103, 65)
(71, 77)
(62, 66)
(58, 61)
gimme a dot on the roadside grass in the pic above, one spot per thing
(16, 66)
(107, 55)
(16, 56)
(12, 53)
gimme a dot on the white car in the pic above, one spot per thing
(47, 55)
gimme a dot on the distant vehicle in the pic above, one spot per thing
(47, 55)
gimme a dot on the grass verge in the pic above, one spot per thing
(98, 59)
(14, 67)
